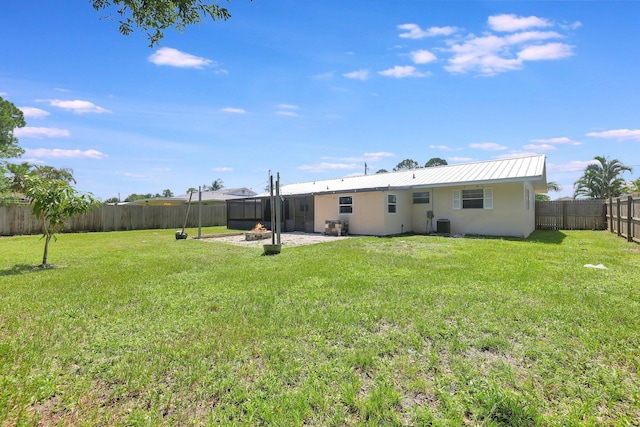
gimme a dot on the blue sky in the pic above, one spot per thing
(315, 89)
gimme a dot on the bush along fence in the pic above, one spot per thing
(624, 216)
(571, 215)
(18, 219)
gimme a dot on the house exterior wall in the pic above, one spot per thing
(419, 220)
(400, 221)
(368, 216)
(510, 215)
(513, 212)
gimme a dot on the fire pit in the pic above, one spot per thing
(259, 232)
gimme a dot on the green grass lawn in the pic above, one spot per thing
(136, 328)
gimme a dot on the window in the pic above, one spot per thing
(346, 205)
(527, 198)
(479, 198)
(421, 197)
(391, 203)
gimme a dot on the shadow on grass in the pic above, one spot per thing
(547, 236)
(539, 236)
(22, 268)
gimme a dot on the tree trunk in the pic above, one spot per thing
(46, 250)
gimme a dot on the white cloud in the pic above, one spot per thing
(222, 169)
(545, 52)
(491, 146)
(134, 175)
(557, 141)
(461, 159)
(175, 58)
(233, 110)
(358, 75)
(324, 76)
(531, 36)
(66, 154)
(444, 148)
(367, 157)
(490, 53)
(486, 55)
(33, 113)
(286, 113)
(572, 166)
(413, 31)
(378, 156)
(325, 166)
(288, 107)
(572, 26)
(516, 153)
(619, 134)
(77, 106)
(422, 56)
(400, 72)
(510, 23)
(40, 132)
(540, 147)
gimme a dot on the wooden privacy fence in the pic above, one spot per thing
(571, 215)
(18, 219)
(624, 216)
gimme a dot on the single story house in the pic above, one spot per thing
(494, 197)
(207, 197)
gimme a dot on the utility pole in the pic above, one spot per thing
(366, 168)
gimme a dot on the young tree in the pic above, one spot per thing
(156, 16)
(406, 164)
(435, 161)
(11, 118)
(54, 201)
(601, 180)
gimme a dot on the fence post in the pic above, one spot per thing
(629, 218)
(618, 219)
(611, 214)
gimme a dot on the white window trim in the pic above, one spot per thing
(392, 204)
(413, 195)
(487, 199)
(340, 205)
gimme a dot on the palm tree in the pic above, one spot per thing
(216, 185)
(553, 186)
(51, 173)
(601, 180)
(18, 171)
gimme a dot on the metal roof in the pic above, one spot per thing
(530, 168)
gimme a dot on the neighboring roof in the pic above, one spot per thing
(222, 195)
(241, 191)
(518, 169)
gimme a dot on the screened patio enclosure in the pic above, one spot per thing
(297, 213)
